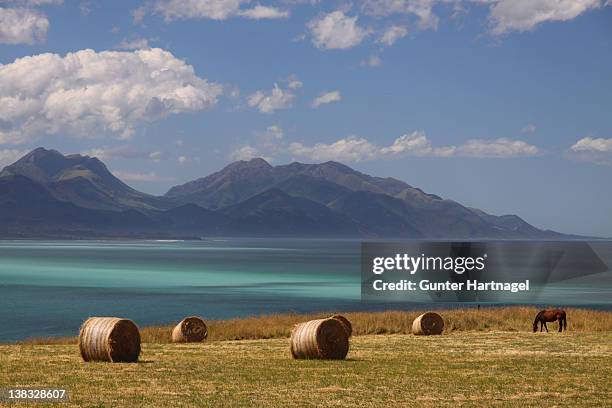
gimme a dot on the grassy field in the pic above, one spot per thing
(490, 368)
(519, 319)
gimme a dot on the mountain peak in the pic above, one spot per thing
(256, 162)
(83, 180)
(332, 163)
(259, 161)
(40, 165)
(41, 154)
(48, 165)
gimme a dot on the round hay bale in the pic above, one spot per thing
(320, 339)
(347, 324)
(427, 324)
(190, 330)
(109, 339)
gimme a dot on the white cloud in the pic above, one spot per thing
(133, 44)
(421, 9)
(336, 31)
(139, 14)
(392, 34)
(123, 152)
(87, 7)
(246, 153)
(501, 147)
(183, 160)
(22, 26)
(10, 156)
(156, 156)
(373, 61)
(325, 98)
(530, 128)
(272, 134)
(592, 144)
(416, 143)
(210, 9)
(596, 150)
(277, 98)
(349, 149)
(263, 12)
(525, 15)
(148, 177)
(294, 84)
(504, 15)
(89, 93)
(355, 149)
(33, 2)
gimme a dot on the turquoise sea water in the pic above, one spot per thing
(48, 288)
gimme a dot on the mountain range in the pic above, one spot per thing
(47, 194)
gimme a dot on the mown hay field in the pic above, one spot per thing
(471, 368)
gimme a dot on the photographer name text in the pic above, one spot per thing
(468, 285)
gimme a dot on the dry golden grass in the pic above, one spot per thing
(389, 322)
(461, 368)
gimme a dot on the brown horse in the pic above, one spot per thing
(550, 315)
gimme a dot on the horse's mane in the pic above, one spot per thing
(538, 316)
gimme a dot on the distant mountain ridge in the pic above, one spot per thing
(85, 181)
(47, 193)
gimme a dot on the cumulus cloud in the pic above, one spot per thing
(336, 31)
(349, 149)
(269, 143)
(392, 34)
(33, 2)
(247, 153)
(525, 15)
(504, 15)
(356, 149)
(271, 135)
(416, 143)
(596, 150)
(325, 98)
(156, 155)
(263, 12)
(89, 93)
(421, 9)
(183, 160)
(147, 177)
(210, 9)
(123, 152)
(294, 83)
(10, 156)
(501, 147)
(269, 102)
(22, 26)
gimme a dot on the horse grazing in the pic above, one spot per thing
(550, 315)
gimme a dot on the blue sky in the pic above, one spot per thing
(501, 105)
